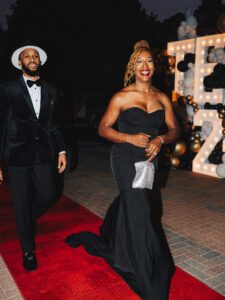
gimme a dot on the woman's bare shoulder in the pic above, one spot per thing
(122, 97)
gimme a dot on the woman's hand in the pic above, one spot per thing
(153, 148)
(140, 139)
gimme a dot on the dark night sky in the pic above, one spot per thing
(165, 9)
(162, 8)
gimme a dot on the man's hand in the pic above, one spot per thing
(1, 176)
(62, 162)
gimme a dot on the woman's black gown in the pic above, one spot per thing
(131, 238)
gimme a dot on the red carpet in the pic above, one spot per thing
(71, 274)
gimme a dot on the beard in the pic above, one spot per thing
(31, 73)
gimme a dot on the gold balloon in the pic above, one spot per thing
(174, 161)
(195, 147)
(222, 111)
(189, 97)
(196, 141)
(197, 135)
(180, 148)
(221, 22)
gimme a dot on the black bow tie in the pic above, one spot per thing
(30, 83)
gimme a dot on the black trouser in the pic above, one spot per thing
(33, 191)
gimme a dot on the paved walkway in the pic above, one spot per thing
(194, 216)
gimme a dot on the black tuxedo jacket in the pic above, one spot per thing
(22, 134)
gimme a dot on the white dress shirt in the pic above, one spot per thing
(35, 95)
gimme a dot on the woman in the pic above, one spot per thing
(129, 239)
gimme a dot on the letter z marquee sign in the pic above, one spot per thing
(199, 46)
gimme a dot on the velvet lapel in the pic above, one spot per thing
(27, 96)
(44, 99)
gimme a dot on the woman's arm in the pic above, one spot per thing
(172, 133)
(173, 130)
(110, 117)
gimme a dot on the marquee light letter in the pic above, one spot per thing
(200, 162)
(202, 69)
(178, 49)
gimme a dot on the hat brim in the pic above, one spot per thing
(16, 54)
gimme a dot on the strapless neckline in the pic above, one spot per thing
(146, 112)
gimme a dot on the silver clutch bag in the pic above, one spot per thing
(144, 178)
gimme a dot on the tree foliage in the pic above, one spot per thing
(88, 42)
(207, 16)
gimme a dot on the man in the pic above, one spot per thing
(30, 140)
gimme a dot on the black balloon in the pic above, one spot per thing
(182, 66)
(207, 105)
(209, 81)
(215, 80)
(219, 69)
(219, 106)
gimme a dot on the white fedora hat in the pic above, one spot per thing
(17, 52)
